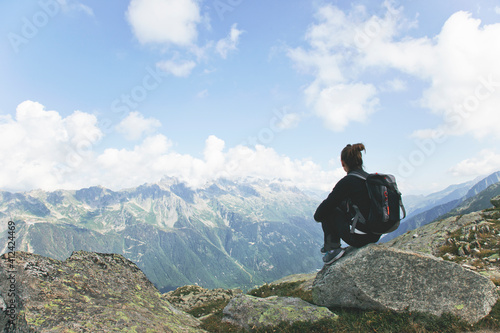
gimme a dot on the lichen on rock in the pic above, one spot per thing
(381, 278)
(88, 292)
(200, 301)
(250, 312)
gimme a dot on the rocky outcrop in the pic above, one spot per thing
(496, 201)
(471, 240)
(200, 301)
(381, 278)
(251, 312)
(88, 292)
(429, 238)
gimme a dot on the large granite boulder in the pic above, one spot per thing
(381, 278)
(88, 292)
(250, 312)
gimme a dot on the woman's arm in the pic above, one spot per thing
(326, 208)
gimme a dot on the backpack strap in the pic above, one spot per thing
(355, 174)
(403, 208)
(358, 217)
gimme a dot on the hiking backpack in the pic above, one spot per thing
(385, 204)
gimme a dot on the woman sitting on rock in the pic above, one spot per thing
(333, 211)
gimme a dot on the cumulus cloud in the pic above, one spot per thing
(230, 43)
(174, 25)
(458, 67)
(145, 163)
(486, 162)
(179, 68)
(132, 167)
(335, 95)
(37, 142)
(164, 21)
(465, 89)
(134, 126)
(42, 149)
(340, 104)
(460, 64)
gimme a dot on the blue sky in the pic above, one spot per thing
(120, 93)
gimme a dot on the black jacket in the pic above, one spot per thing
(349, 187)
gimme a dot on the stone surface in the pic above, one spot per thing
(381, 278)
(429, 238)
(472, 240)
(252, 312)
(195, 298)
(88, 292)
(496, 201)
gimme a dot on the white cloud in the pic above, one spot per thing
(459, 66)
(230, 43)
(37, 143)
(174, 25)
(340, 104)
(122, 168)
(179, 68)
(164, 21)
(214, 156)
(134, 126)
(465, 89)
(128, 168)
(42, 149)
(335, 94)
(462, 67)
(486, 162)
(497, 9)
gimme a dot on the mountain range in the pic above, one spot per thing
(225, 234)
(454, 200)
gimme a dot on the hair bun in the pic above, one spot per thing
(351, 155)
(359, 147)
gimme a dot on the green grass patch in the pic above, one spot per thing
(212, 307)
(448, 248)
(484, 253)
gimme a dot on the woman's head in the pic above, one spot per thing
(351, 156)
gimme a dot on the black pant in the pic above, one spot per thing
(338, 227)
